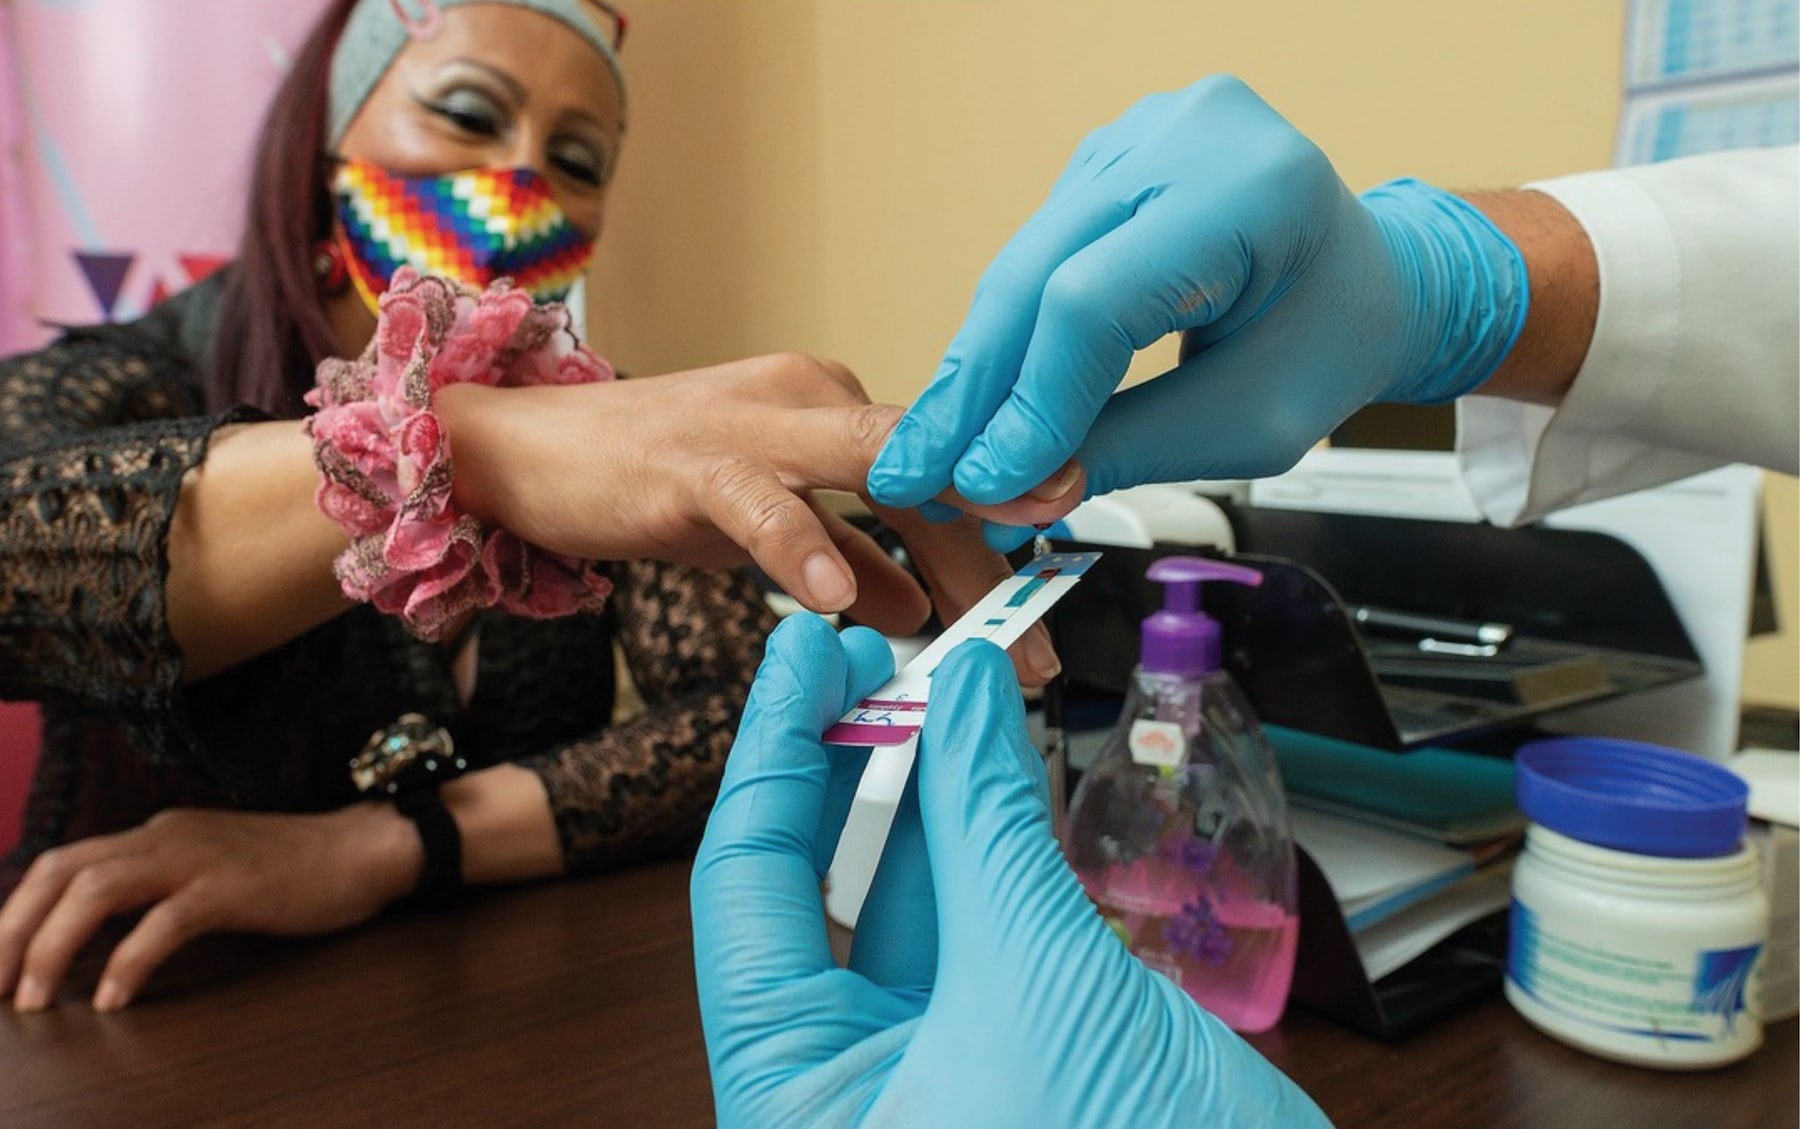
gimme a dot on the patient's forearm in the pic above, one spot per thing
(249, 553)
(508, 830)
(503, 819)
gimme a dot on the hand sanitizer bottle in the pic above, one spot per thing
(1179, 832)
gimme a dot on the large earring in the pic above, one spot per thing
(329, 266)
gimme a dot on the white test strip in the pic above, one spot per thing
(895, 713)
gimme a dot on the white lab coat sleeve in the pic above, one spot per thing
(1695, 360)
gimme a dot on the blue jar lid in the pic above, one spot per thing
(1632, 796)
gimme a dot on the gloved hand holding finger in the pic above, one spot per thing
(1204, 212)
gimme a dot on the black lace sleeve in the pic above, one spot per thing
(96, 433)
(692, 639)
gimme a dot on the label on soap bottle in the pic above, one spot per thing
(1160, 744)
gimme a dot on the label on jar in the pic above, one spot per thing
(1620, 986)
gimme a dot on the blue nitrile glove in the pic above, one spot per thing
(983, 989)
(1204, 211)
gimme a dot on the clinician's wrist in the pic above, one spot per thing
(1466, 283)
(1564, 276)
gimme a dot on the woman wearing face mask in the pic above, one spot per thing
(169, 592)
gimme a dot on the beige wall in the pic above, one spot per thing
(1771, 673)
(832, 175)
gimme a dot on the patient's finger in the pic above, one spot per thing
(960, 569)
(887, 597)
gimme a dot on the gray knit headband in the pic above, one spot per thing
(378, 29)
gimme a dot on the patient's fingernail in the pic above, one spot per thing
(829, 586)
(33, 995)
(110, 996)
(1056, 487)
(1040, 655)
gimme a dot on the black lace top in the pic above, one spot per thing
(96, 432)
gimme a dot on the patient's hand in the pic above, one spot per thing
(199, 872)
(714, 467)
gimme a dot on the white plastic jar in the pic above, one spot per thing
(1639, 918)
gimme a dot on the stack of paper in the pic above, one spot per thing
(1400, 893)
(1779, 847)
(1774, 779)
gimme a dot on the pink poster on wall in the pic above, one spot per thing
(134, 122)
(15, 251)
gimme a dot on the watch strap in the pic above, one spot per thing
(440, 880)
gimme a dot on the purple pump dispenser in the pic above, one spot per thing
(1182, 639)
(1179, 829)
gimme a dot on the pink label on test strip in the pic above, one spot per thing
(878, 722)
(894, 714)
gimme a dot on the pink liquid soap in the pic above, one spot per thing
(1233, 954)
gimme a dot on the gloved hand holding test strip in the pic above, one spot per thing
(894, 714)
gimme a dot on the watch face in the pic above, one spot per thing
(409, 753)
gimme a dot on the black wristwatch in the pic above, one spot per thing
(407, 761)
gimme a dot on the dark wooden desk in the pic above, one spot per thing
(573, 1004)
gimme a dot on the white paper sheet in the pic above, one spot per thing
(1375, 872)
(1405, 936)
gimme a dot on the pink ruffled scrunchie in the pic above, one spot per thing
(385, 458)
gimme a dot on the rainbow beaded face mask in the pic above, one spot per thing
(473, 226)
